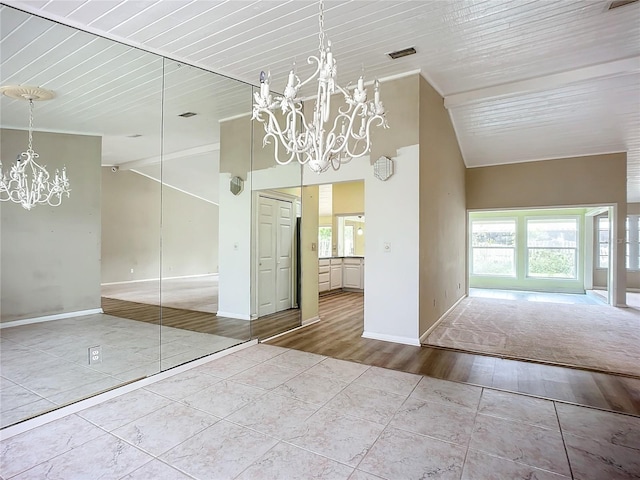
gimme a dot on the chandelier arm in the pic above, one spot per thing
(365, 138)
(310, 61)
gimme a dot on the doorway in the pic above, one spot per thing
(275, 254)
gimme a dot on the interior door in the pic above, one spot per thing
(275, 240)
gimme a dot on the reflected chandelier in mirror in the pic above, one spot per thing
(28, 182)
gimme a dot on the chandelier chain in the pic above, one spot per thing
(30, 125)
(321, 23)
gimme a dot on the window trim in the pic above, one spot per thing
(576, 249)
(514, 248)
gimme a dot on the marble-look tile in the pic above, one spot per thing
(156, 470)
(443, 391)
(287, 461)
(223, 398)
(296, 360)
(15, 396)
(534, 411)
(226, 366)
(264, 376)
(25, 411)
(141, 371)
(274, 415)
(340, 437)
(591, 460)
(367, 403)
(391, 381)
(183, 384)
(259, 353)
(535, 446)
(165, 428)
(398, 454)
(86, 390)
(311, 388)
(479, 465)
(340, 370)
(106, 457)
(360, 475)
(221, 451)
(601, 426)
(25, 450)
(451, 423)
(124, 409)
(65, 377)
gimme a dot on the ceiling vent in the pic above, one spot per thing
(402, 53)
(620, 3)
(187, 114)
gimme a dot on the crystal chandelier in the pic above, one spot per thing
(28, 183)
(320, 142)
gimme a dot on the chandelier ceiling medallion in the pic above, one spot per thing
(320, 142)
(28, 183)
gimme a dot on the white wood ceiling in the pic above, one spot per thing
(523, 79)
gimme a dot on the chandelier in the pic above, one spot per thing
(320, 142)
(27, 182)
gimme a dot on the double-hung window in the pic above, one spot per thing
(493, 247)
(552, 247)
(324, 242)
(603, 242)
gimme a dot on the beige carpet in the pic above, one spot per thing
(598, 337)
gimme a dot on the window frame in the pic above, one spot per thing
(575, 249)
(514, 248)
(631, 243)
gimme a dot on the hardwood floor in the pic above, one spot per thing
(338, 335)
(263, 327)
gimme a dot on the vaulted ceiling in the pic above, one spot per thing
(523, 80)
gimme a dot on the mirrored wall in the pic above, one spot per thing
(180, 237)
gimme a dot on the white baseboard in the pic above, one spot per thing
(158, 279)
(310, 321)
(237, 316)
(48, 318)
(392, 338)
(57, 414)
(424, 336)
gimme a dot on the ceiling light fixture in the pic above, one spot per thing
(319, 142)
(28, 183)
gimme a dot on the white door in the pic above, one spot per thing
(275, 238)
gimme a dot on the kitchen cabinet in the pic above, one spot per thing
(341, 273)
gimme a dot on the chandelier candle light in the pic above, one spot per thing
(320, 143)
(28, 183)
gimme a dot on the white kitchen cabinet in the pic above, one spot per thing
(324, 275)
(336, 273)
(353, 273)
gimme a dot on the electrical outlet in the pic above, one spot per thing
(95, 355)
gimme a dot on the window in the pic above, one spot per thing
(552, 248)
(349, 241)
(603, 242)
(324, 241)
(493, 247)
(632, 242)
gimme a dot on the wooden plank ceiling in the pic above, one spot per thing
(523, 80)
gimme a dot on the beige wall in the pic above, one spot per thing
(588, 180)
(443, 256)
(50, 256)
(309, 255)
(132, 234)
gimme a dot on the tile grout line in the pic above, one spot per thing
(564, 444)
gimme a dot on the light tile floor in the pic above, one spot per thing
(45, 365)
(266, 412)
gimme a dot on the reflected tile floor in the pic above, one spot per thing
(45, 365)
(312, 417)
